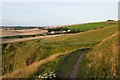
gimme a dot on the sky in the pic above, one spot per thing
(59, 0)
(57, 13)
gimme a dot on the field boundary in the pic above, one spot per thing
(26, 39)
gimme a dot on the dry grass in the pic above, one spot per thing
(29, 70)
(103, 60)
(103, 41)
(26, 39)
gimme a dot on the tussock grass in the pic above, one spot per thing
(102, 62)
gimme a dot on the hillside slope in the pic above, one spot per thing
(15, 55)
(102, 61)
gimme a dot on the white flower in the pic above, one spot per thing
(51, 72)
(39, 76)
(50, 75)
(45, 76)
(54, 76)
(42, 77)
(114, 74)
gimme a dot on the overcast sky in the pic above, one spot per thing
(57, 13)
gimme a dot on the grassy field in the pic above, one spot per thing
(15, 54)
(88, 26)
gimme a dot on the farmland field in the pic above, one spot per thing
(69, 46)
(88, 26)
(13, 32)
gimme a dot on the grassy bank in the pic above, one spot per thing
(61, 67)
(102, 61)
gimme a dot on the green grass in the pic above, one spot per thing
(62, 66)
(66, 64)
(88, 26)
(15, 54)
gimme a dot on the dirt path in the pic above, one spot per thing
(76, 67)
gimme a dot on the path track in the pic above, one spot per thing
(76, 67)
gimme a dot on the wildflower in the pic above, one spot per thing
(114, 74)
(51, 72)
(54, 76)
(39, 76)
(50, 75)
(45, 76)
(42, 77)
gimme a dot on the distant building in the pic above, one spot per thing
(52, 32)
(68, 30)
(64, 31)
(59, 30)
